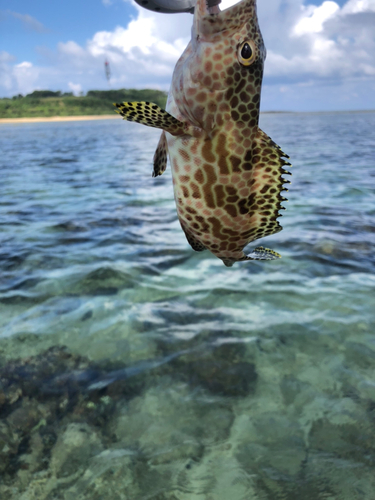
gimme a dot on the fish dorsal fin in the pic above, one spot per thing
(151, 115)
(160, 156)
(267, 164)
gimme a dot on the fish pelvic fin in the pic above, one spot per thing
(160, 156)
(192, 240)
(151, 115)
(261, 253)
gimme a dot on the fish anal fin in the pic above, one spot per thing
(261, 253)
(151, 115)
(160, 156)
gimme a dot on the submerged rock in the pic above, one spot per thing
(45, 405)
(73, 449)
(222, 370)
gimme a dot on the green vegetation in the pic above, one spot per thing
(96, 102)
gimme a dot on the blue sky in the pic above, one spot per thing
(321, 54)
(56, 21)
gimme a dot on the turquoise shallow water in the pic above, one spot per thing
(192, 380)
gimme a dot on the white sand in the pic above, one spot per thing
(59, 118)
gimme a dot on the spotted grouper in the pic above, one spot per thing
(227, 173)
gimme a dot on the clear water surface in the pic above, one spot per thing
(134, 368)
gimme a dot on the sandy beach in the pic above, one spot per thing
(59, 118)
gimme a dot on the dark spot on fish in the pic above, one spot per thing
(207, 81)
(229, 231)
(210, 173)
(208, 66)
(234, 101)
(207, 152)
(230, 190)
(223, 165)
(208, 196)
(229, 94)
(240, 85)
(251, 199)
(220, 195)
(231, 209)
(236, 162)
(216, 226)
(248, 155)
(200, 97)
(244, 97)
(196, 191)
(198, 176)
(235, 115)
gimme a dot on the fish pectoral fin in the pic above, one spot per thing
(261, 253)
(160, 156)
(151, 115)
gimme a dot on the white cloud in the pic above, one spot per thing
(6, 79)
(26, 76)
(76, 88)
(29, 22)
(71, 49)
(356, 6)
(325, 42)
(316, 16)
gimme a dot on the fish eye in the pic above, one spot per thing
(246, 53)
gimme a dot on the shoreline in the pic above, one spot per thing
(59, 118)
(77, 118)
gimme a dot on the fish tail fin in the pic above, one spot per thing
(151, 115)
(261, 253)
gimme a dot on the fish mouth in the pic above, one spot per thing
(210, 20)
(213, 6)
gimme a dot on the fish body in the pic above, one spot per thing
(227, 173)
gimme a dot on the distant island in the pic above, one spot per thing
(46, 103)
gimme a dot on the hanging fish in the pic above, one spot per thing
(227, 173)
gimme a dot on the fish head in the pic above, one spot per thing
(222, 66)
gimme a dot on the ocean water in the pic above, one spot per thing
(132, 367)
